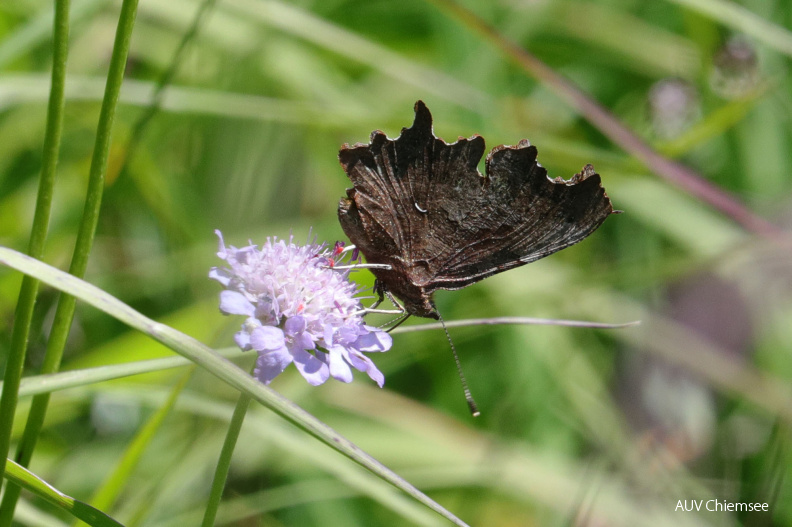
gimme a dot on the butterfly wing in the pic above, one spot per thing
(521, 216)
(389, 212)
(386, 175)
(421, 206)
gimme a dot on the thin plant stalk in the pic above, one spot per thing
(164, 81)
(87, 230)
(675, 173)
(108, 492)
(224, 462)
(38, 384)
(29, 290)
(218, 366)
(738, 18)
(22, 477)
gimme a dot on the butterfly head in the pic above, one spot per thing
(422, 307)
(414, 298)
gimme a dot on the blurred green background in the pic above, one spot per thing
(578, 426)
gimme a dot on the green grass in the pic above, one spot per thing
(253, 101)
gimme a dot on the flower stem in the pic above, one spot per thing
(29, 289)
(224, 463)
(65, 310)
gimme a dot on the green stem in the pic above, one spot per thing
(29, 289)
(232, 375)
(65, 311)
(224, 463)
(22, 477)
(736, 17)
(164, 81)
(108, 492)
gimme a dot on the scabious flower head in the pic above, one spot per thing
(299, 309)
(674, 106)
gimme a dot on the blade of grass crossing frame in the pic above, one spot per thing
(22, 477)
(110, 489)
(735, 16)
(87, 230)
(29, 290)
(609, 125)
(224, 462)
(218, 366)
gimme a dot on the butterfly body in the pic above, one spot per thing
(421, 206)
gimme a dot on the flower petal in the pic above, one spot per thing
(271, 363)
(347, 334)
(312, 369)
(294, 325)
(304, 341)
(221, 249)
(328, 335)
(267, 338)
(374, 341)
(355, 358)
(376, 375)
(235, 303)
(363, 363)
(242, 339)
(339, 368)
(221, 275)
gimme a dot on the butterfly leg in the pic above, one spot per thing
(381, 291)
(399, 322)
(394, 301)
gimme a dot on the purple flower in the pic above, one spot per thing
(299, 310)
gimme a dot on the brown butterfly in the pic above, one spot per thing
(420, 206)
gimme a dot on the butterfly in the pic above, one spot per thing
(420, 206)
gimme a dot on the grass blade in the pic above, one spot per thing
(217, 366)
(607, 123)
(739, 18)
(304, 24)
(29, 290)
(107, 493)
(80, 510)
(65, 311)
(224, 462)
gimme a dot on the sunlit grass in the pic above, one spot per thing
(578, 426)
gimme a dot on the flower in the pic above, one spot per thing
(674, 106)
(735, 69)
(299, 310)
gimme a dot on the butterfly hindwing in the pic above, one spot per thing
(524, 217)
(421, 205)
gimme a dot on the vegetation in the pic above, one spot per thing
(230, 116)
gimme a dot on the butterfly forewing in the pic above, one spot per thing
(524, 217)
(421, 206)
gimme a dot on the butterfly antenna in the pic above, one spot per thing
(474, 411)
